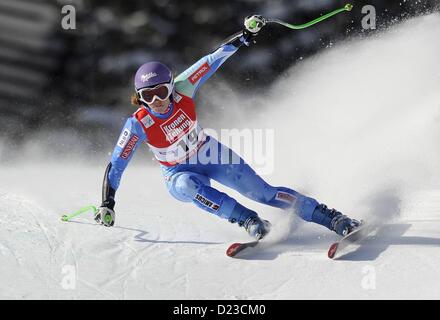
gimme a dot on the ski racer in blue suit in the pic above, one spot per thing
(166, 120)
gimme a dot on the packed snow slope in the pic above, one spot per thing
(357, 127)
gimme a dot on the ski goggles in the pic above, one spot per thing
(161, 92)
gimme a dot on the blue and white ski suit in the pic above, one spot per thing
(190, 181)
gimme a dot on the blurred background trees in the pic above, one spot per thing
(55, 78)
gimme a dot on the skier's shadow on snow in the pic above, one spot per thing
(139, 237)
(388, 235)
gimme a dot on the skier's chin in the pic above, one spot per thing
(162, 108)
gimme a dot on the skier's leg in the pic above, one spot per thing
(232, 171)
(241, 177)
(194, 187)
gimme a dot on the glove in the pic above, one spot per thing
(252, 25)
(105, 214)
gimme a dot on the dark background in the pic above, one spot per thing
(52, 79)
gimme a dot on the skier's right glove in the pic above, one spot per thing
(105, 214)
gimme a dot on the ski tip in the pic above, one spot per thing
(332, 250)
(232, 250)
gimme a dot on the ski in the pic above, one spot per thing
(235, 248)
(358, 234)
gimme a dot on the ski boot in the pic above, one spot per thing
(334, 220)
(256, 227)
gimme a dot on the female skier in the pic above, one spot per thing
(166, 120)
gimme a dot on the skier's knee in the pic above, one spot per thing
(185, 186)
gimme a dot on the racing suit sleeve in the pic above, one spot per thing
(189, 81)
(132, 135)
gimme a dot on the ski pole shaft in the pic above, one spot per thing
(77, 213)
(347, 7)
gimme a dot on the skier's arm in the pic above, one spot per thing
(189, 81)
(131, 137)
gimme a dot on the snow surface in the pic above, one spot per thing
(357, 127)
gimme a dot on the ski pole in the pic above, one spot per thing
(347, 7)
(77, 213)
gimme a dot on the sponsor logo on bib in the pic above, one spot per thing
(176, 126)
(147, 121)
(177, 97)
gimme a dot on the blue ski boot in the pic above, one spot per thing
(256, 227)
(334, 220)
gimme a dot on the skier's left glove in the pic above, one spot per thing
(105, 214)
(252, 25)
